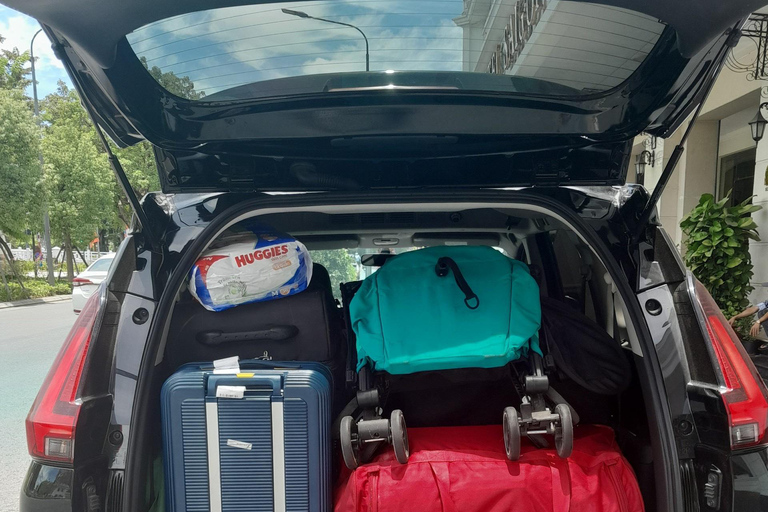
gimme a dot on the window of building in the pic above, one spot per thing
(737, 175)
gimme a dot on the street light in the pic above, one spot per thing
(757, 124)
(301, 14)
(46, 219)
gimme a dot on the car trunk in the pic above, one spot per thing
(570, 270)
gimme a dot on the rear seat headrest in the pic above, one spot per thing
(320, 278)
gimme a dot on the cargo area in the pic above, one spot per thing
(314, 325)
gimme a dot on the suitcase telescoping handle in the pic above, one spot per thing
(214, 442)
(273, 333)
(273, 381)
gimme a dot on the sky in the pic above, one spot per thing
(18, 29)
(223, 48)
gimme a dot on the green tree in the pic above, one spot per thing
(78, 181)
(14, 68)
(19, 167)
(138, 162)
(717, 249)
(340, 265)
(179, 85)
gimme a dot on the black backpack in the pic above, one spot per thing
(582, 350)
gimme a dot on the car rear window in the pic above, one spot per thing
(533, 46)
(101, 265)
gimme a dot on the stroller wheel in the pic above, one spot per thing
(564, 431)
(349, 449)
(399, 436)
(511, 433)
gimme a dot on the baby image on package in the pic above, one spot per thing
(247, 264)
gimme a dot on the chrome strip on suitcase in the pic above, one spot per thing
(214, 471)
(278, 454)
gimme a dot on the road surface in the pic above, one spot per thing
(30, 338)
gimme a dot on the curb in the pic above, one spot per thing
(34, 302)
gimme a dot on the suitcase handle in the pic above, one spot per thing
(274, 381)
(274, 333)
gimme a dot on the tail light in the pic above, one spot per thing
(53, 416)
(743, 390)
(80, 281)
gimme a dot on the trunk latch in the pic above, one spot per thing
(712, 488)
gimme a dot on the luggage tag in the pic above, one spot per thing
(228, 365)
(235, 392)
(239, 444)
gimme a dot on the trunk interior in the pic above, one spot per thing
(346, 247)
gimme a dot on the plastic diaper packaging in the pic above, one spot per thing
(250, 263)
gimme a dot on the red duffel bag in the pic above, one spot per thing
(464, 469)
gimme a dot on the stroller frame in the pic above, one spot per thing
(361, 435)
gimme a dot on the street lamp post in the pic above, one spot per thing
(301, 14)
(46, 219)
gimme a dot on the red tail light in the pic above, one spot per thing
(744, 393)
(80, 281)
(53, 416)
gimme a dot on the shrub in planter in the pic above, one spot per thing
(717, 250)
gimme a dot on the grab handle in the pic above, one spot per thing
(442, 268)
(273, 333)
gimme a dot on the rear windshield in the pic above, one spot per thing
(532, 46)
(101, 265)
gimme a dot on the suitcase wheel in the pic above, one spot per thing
(511, 433)
(349, 446)
(564, 431)
(399, 436)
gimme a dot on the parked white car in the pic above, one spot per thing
(88, 280)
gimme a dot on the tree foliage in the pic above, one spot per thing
(14, 68)
(179, 85)
(138, 162)
(19, 166)
(340, 265)
(718, 249)
(78, 181)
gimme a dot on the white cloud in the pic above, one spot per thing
(18, 29)
(227, 47)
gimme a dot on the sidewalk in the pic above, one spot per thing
(32, 302)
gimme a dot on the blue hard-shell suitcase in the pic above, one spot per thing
(258, 440)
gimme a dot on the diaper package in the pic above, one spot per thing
(250, 264)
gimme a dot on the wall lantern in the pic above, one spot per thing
(644, 158)
(757, 124)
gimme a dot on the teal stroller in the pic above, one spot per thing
(447, 308)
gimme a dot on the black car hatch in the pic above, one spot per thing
(346, 95)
